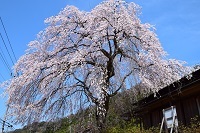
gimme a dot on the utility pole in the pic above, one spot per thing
(3, 126)
(4, 123)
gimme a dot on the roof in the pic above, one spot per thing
(175, 90)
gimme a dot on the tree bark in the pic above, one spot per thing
(101, 113)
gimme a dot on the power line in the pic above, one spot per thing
(2, 77)
(8, 39)
(6, 48)
(5, 63)
(3, 55)
(3, 58)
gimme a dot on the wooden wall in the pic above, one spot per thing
(186, 109)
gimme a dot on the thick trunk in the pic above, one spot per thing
(103, 102)
(101, 113)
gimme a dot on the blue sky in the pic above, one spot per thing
(177, 23)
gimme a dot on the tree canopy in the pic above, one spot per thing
(83, 57)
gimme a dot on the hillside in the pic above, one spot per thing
(119, 115)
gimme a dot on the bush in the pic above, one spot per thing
(194, 126)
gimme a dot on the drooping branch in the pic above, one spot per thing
(121, 85)
(89, 54)
(86, 88)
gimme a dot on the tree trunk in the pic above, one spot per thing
(101, 112)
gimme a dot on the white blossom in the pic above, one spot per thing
(95, 54)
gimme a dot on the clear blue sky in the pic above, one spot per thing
(177, 23)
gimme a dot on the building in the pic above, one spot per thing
(183, 97)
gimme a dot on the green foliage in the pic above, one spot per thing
(130, 127)
(194, 126)
(120, 119)
(124, 127)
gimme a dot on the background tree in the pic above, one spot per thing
(86, 57)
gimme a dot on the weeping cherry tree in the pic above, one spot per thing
(88, 57)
